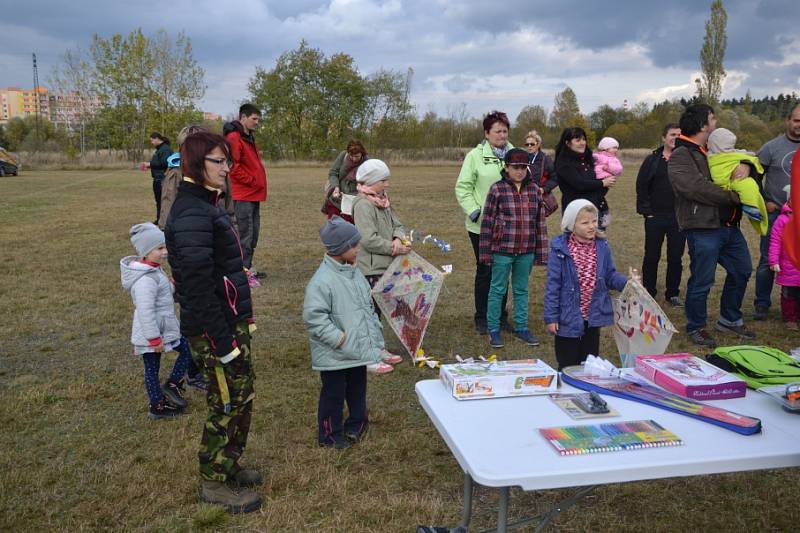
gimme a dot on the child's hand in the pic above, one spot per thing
(775, 268)
(634, 274)
(609, 182)
(552, 328)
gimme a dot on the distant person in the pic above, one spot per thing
(345, 336)
(481, 169)
(786, 274)
(158, 166)
(606, 165)
(580, 272)
(709, 216)
(513, 244)
(342, 179)
(655, 201)
(543, 171)
(248, 179)
(776, 157)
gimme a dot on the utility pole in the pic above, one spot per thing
(37, 101)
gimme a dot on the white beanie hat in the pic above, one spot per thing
(372, 171)
(607, 142)
(146, 237)
(571, 213)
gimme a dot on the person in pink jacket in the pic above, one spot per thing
(787, 275)
(606, 165)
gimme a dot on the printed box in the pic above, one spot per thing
(690, 376)
(524, 377)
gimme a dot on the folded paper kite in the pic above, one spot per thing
(640, 325)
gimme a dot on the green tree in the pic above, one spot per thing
(531, 117)
(565, 109)
(622, 133)
(709, 85)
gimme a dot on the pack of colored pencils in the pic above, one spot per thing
(615, 437)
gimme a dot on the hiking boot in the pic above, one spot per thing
(495, 340)
(480, 326)
(338, 444)
(741, 331)
(701, 337)
(247, 477)
(198, 382)
(174, 394)
(218, 493)
(163, 410)
(760, 313)
(527, 337)
(674, 301)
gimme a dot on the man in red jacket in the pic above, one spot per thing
(248, 180)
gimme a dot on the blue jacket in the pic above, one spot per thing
(562, 297)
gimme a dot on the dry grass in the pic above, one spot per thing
(80, 453)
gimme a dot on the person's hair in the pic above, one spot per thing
(495, 116)
(587, 208)
(194, 150)
(792, 110)
(355, 145)
(535, 135)
(694, 118)
(567, 135)
(156, 135)
(188, 130)
(669, 126)
(247, 110)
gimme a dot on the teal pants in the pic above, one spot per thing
(519, 266)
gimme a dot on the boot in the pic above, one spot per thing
(174, 394)
(247, 477)
(162, 410)
(218, 493)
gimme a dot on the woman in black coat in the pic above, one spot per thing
(158, 166)
(575, 170)
(216, 315)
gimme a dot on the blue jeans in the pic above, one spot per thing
(764, 276)
(708, 247)
(519, 266)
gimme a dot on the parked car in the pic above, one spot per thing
(9, 163)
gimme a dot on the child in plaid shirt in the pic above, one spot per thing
(513, 238)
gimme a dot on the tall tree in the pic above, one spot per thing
(709, 86)
(565, 109)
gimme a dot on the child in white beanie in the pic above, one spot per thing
(155, 327)
(606, 165)
(580, 272)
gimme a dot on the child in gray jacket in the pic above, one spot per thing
(155, 327)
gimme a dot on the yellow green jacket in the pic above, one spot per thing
(722, 166)
(480, 170)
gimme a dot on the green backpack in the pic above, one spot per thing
(759, 366)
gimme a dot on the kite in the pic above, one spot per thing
(791, 231)
(406, 294)
(640, 326)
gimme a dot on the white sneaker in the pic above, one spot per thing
(379, 368)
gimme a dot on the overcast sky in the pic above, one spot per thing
(485, 55)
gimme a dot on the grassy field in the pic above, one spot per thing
(80, 453)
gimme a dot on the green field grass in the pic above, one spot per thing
(80, 453)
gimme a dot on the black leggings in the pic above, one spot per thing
(573, 350)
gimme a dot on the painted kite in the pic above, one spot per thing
(640, 325)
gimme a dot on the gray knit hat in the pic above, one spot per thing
(372, 171)
(146, 237)
(338, 235)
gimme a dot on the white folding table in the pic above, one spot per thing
(496, 443)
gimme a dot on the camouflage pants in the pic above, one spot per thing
(225, 434)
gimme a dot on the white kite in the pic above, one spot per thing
(640, 325)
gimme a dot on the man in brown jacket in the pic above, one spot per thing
(709, 215)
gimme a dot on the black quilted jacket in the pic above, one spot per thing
(206, 260)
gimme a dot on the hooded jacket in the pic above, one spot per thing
(605, 159)
(154, 320)
(248, 175)
(206, 261)
(343, 330)
(481, 168)
(789, 276)
(576, 178)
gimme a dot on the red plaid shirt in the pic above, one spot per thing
(514, 222)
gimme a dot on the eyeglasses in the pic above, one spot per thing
(531, 144)
(220, 161)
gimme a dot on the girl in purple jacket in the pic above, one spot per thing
(787, 275)
(580, 272)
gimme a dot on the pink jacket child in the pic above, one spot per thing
(788, 275)
(606, 163)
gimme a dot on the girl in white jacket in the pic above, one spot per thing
(155, 327)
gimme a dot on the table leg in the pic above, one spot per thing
(466, 515)
(502, 511)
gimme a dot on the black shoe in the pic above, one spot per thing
(760, 313)
(163, 410)
(674, 301)
(480, 326)
(701, 337)
(741, 331)
(174, 395)
(198, 382)
(338, 444)
(258, 274)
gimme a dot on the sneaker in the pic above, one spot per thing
(495, 340)
(218, 493)
(760, 312)
(674, 301)
(356, 436)
(337, 444)
(379, 368)
(258, 274)
(480, 326)
(701, 337)
(390, 358)
(174, 394)
(741, 331)
(247, 477)
(163, 410)
(198, 382)
(527, 337)
(792, 326)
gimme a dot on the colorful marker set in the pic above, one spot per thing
(613, 437)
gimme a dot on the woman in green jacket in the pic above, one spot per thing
(480, 170)
(342, 179)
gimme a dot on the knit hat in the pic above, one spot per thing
(372, 171)
(571, 213)
(146, 237)
(516, 156)
(338, 235)
(607, 142)
(722, 140)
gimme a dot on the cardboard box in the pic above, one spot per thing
(525, 377)
(690, 376)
